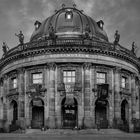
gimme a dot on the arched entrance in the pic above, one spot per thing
(69, 108)
(101, 113)
(37, 113)
(124, 111)
(13, 111)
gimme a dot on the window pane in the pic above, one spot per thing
(73, 73)
(65, 73)
(69, 73)
(14, 83)
(69, 79)
(37, 78)
(101, 77)
(73, 80)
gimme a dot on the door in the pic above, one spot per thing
(69, 114)
(37, 117)
(101, 116)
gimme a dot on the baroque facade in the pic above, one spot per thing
(69, 75)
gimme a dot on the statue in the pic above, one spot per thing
(134, 47)
(87, 31)
(51, 32)
(116, 37)
(5, 48)
(21, 37)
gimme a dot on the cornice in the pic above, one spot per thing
(69, 46)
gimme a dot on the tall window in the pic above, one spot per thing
(68, 77)
(37, 78)
(123, 82)
(101, 78)
(14, 82)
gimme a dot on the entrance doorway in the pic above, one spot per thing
(101, 113)
(37, 113)
(124, 111)
(69, 113)
(14, 111)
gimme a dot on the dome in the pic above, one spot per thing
(69, 22)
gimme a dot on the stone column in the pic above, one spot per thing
(133, 93)
(80, 79)
(21, 106)
(117, 98)
(27, 103)
(5, 91)
(87, 92)
(58, 79)
(111, 98)
(5, 104)
(51, 119)
(46, 103)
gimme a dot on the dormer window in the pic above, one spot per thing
(69, 15)
(37, 24)
(100, 24)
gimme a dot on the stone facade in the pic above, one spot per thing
(21, 99)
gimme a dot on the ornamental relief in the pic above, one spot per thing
(13, 97)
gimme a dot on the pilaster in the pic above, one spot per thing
(87, 92)
(117, 98)
(52, 68)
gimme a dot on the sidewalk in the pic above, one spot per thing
(70, 131)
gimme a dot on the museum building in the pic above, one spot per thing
(69, 75)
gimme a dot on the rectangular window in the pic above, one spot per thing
(37, 78)
(123, 82)
(68, 77)
(14, 82)
(101, 78)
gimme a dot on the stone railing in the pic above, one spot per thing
(91, 43)
(57, 46)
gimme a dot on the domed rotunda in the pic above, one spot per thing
(69, 76)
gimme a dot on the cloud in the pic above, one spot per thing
(122, 15)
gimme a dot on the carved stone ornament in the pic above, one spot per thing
(87, 66)
(13, 97)
(51, 66)
(21, 70)
(36, 90)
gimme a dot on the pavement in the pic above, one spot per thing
(67, 134)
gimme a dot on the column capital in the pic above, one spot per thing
(21, 70)
(4, 77)
(133, 75)
(117, 69)
(51, 66)
(87, 66)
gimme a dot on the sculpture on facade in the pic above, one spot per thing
(21, 37)
(116, 37)
(52, 32)
(134, 47)
(87, 31)
(5, 48)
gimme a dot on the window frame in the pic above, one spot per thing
(99, 79)
(69, 76)
(125, 82)
(14, 82)
(37, 79)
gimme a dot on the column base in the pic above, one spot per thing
(88, 122)
(21, 123)
(131, 128)
(58, 122)
(51, 122)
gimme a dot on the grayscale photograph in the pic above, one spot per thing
(69, 69)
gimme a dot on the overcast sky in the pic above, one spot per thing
(121, 15)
